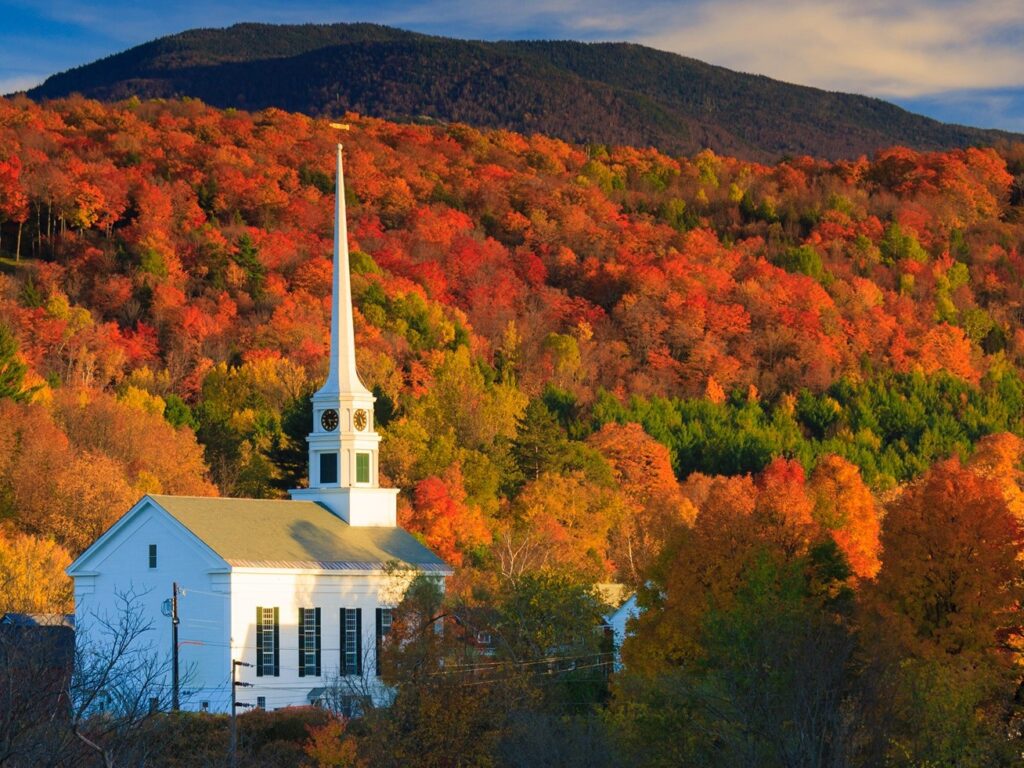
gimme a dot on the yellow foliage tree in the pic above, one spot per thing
(89, 497)
(32, 578)
(574, 517)
(143, 442)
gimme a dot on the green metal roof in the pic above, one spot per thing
(270, 533)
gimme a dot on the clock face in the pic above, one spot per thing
(329, 419)
(359, 419)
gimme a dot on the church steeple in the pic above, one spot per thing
(343, 378)
(343, 446)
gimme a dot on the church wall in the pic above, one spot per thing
(288, 591)
(122, 567)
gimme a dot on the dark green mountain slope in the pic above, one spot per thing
(614, 93)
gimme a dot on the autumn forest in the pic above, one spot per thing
(784, 403)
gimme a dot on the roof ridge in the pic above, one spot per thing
(221, 498)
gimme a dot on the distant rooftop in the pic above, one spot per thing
(34, 643)
(614, 594)
(38, 620)
(272, 533)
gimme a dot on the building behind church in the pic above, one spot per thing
(299, 591)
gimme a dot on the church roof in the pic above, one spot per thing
(272, 533)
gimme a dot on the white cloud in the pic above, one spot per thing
(885, 49)
(888, 48)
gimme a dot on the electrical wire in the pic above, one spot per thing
(469, 670)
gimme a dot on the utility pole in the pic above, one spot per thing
(175, 702)
(235, 704)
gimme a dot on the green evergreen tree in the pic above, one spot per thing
(540, 441)
(12, 369)
(289, 452)
(247, 257)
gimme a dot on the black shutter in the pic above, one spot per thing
(359, 641)
(380, 636)
(259, 641)
(302, 642)
(277, 642)
(317, 614)
(341, 643)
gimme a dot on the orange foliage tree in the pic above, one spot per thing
(845, 506)
(329, 746)
(998, 457)
(701, 567)
(439, 512)
(942, 621)
(656, 507)
(158, 458)
(950, 581)
(71, 476)
(784, 505)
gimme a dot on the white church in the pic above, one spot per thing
(299, 590)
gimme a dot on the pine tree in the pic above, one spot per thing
(12, 369)
(539, 442)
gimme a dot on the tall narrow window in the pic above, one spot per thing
(328, 468)
(351, 641)
(383, 627)
(309, 642)
(152, 555)
(362, 467)
(268, 642)
(261, 702)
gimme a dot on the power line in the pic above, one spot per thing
(548, 672)
(545, 660)
(465, 670)
(323, 649)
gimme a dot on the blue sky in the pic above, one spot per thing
(956, 60)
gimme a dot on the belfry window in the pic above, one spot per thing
(362, 467)
(328, 468)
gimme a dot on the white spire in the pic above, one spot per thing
(344, 455)
(342, 377)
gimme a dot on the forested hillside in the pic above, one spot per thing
(737, 384)
(614, 93)
(172, 259)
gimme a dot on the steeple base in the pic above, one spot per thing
(356, 506)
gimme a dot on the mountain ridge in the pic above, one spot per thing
(605, 93)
